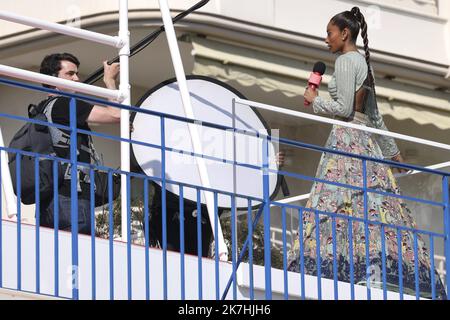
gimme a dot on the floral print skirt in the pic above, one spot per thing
(352, 236)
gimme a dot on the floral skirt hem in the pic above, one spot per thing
(352, 205)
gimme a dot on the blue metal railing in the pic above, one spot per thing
(92, 210)
(264, 210)
(446, 198)
(1, 228)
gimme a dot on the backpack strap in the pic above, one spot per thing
(34, 110)
(60, 139)
(94, 155)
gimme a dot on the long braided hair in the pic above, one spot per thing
(354, 20)
(362, 22)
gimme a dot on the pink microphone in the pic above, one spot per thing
(316, 77)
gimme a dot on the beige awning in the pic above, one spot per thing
(422, 116)
(272, 72)
(243, 75)
(250, 67)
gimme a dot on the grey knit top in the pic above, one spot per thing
(350, 72)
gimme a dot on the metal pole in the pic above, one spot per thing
(181, 79)
(74, 196)
(63, 29)
(446, 198)
(321, 119)
(124, 88)
(266, 206)
(59, 82)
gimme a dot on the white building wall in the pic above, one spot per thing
(417, 23)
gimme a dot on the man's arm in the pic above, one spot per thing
(107, 114)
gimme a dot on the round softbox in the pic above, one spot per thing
(211, 102)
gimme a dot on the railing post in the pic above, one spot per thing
(56, 225)
(250, 248)
(163, 206)
(19, 220)
(182, 244)
(111, 235)
(147, 241)
(285, 272)
(92, 213)
(216, 245)
(446, 198)
(366, 229)
(233, 244)
(400, 262)
(266, 198)
(1, 218)
(129, 270)
(199, 246)
(433, 277)
(38, 222)
(74, 196)
(301, 254)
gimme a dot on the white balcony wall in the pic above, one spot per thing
(430, 7)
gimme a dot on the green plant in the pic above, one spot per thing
(137, 218)
(258, 242)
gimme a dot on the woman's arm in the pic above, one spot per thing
(345, 74)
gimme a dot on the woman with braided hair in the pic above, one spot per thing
(352, 89)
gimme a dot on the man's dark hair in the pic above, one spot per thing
(52, 64)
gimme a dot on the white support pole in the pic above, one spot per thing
(195, 138)
(59, 82)
(63, 29)
(433, 167)
(124, 54)
(8, 191)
